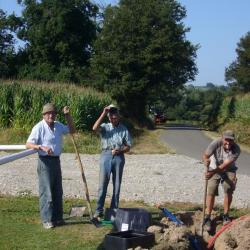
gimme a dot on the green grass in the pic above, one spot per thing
(21, 227)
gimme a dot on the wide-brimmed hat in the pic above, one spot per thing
(228, 134)
(48, 107)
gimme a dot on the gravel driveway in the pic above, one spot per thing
(150, 178)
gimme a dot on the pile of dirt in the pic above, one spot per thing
(237, 236)
(170, 236)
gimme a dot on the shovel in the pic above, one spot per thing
(169, 215)
(86, 191)
(204, 206)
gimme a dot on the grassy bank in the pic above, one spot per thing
(235, 114)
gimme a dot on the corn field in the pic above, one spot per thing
(21, 103)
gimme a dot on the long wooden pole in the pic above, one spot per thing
(83, 177)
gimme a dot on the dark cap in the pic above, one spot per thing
(228, 134)
(48, 107)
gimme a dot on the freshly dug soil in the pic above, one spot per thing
(170, 237)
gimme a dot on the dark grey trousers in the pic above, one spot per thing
(50, 189)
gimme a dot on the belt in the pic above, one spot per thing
(49, 156)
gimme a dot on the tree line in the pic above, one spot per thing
(136, 51)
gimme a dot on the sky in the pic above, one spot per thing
(216, 26)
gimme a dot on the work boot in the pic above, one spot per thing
(207, 223)
(225, 219)
(59, 223)
(98, 215)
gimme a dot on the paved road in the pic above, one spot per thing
(191, 141)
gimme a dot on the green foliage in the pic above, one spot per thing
(59, 36)
(7, 52)
(235, 114)
(142, 53)
(238, 73)
(197, 105)
(21, 105)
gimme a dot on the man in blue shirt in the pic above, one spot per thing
(115, 141)
(46, 137)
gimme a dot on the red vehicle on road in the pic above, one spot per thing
(157, 115)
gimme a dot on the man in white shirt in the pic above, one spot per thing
(46, 137)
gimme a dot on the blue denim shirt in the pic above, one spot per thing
(114, 137)
(42, 134)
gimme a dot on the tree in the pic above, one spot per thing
(210, 85)
(142, 53)
(238, 73)
(59, 36)
(7, 50)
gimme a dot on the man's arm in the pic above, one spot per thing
(226, 163)
(125, 149)
(206, 160)
(122, 150)
(220, 169)
(69, 120)
(30, 145)
(99, 120)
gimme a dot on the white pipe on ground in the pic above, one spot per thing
(13, 157)
(12, 147)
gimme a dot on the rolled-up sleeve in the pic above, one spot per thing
(127, 139)
(34, 135)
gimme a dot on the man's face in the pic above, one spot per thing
(49, 117)
(114, 119)
(227, 143)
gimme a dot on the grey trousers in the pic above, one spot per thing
(50, 189)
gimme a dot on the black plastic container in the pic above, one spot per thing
(137, 219)
(128, 239)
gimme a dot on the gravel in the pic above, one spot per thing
(149, 178)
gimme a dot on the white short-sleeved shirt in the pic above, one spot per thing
(43, 135)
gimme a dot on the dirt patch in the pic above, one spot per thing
(170, 236)
(236, 236)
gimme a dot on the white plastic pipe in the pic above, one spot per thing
(13, 157)
(12, 147)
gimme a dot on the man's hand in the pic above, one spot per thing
(115, 152)
(206, 162)
(46, 149)
(66, 110)
(106, 110)
(209, 174)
